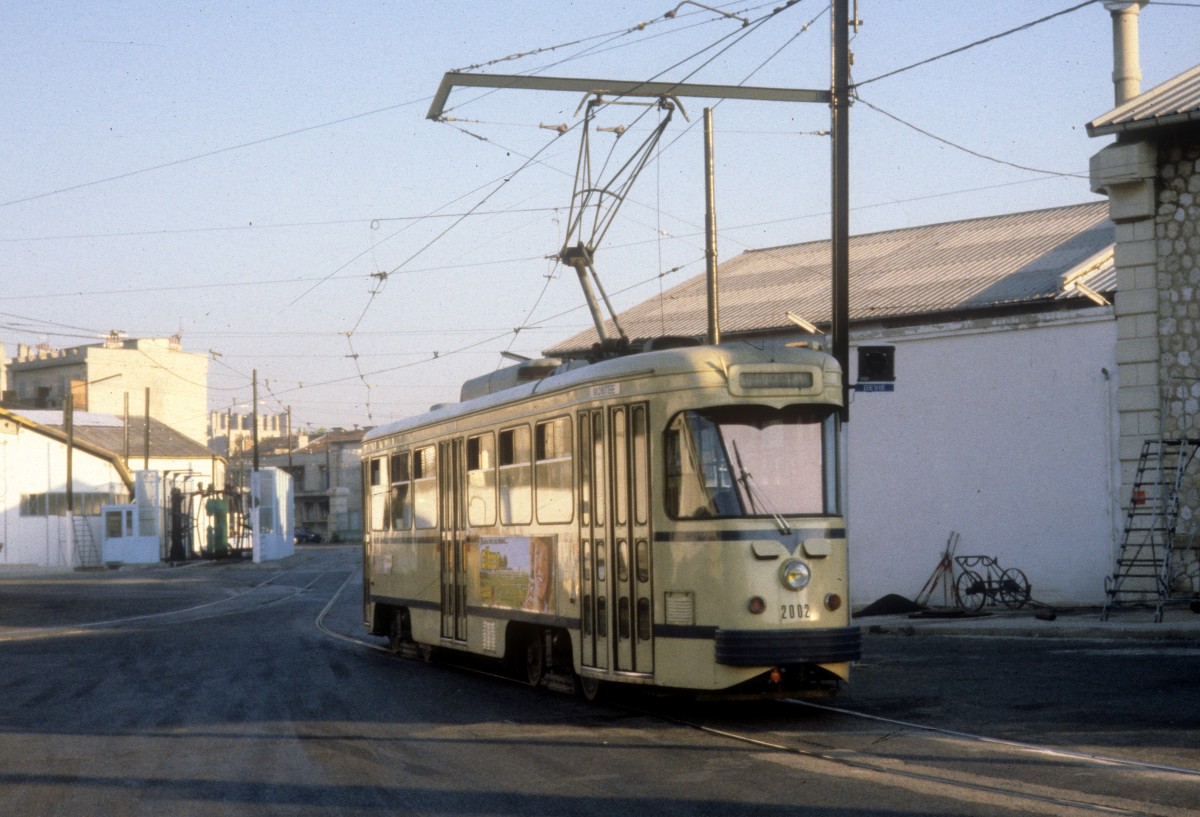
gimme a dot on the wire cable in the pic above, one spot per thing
(217, 152)
(964, 149)
(985, 40)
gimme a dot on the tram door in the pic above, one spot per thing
(454, 568)
(615, 539)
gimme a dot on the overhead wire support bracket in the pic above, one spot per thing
(616, 87)
(838, 97)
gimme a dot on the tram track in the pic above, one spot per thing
(944, 774)
(930, 761)
(235, 603)
(976, 769)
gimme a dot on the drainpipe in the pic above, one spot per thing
(1127, 73)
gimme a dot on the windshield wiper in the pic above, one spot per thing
(754, 495)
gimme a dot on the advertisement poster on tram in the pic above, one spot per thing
(517, 572)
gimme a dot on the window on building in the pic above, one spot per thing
(87, 503)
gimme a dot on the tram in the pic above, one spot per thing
(670, 518)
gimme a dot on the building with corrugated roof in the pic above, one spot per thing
(1044, 260)
(105, 453)
(999, 423)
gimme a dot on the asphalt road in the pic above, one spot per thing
(211, 690)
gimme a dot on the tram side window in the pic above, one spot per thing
(686, 492)
(516, 489)
(553, 471)
(379, 495)
(424, 487)
(481, 480)
(401, 492)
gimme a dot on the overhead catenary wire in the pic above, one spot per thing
(963, 148)
(977, 43)
(197, 157)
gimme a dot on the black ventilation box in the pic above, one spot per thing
(876, 364)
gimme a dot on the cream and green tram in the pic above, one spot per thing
(670, 518)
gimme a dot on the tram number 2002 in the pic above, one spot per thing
(793, 611)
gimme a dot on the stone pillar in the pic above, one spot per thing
(1126, 172)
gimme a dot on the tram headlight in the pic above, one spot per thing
(794, 574)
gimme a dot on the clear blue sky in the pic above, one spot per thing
(240, 173)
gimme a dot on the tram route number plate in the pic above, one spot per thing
(793, 612)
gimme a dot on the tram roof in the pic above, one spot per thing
(682, 360)
(1031, 260)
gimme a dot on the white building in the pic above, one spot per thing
(1000, 422)
(106, 454)
(115, 377)
(33, 493)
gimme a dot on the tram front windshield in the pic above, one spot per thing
(749, 461)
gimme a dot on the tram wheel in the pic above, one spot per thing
(1014, 588)
(970, 590)
(395, 632)
(590, 687)
(535, 659)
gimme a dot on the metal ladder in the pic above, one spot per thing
(1143, 572)
(87, 551)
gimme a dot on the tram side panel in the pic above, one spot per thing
(403, 548)
(501, 556)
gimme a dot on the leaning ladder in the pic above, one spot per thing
(1143, 569)
(86, 549)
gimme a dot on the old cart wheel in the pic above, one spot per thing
(1014, 588)
(970, 590)
(535, 660)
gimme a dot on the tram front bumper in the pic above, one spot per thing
(758, 648)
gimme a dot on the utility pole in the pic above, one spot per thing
(840, 182)
(254, 416)
(710, 230)
(146, 435)
(69, 423)
(126, 450)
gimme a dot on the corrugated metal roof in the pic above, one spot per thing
(108, 432)
(1019, 258)
(1174, 102)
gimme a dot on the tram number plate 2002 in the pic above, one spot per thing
(789, 612)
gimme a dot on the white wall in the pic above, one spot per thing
(1004, 433)
(31, 463)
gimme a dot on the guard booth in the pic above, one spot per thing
(132, 533)
(272, 525)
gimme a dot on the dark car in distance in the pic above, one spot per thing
(307, 536)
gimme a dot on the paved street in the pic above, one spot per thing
(210, 689)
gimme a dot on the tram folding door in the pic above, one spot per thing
(454, 568)
(614, 522)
